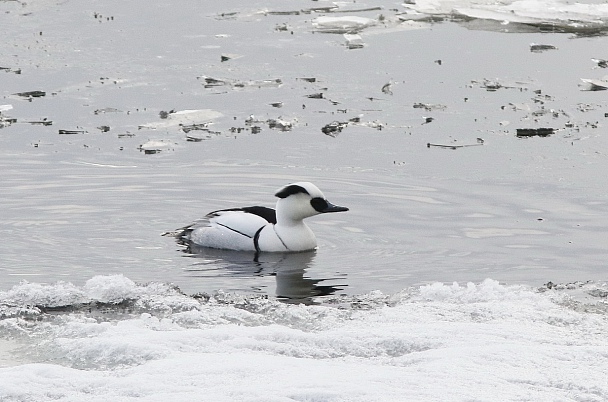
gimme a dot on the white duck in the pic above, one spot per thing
(264, 229)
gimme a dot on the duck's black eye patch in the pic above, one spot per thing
(319, 204)
(290, 190)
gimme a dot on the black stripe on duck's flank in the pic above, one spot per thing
(267, 213)
(236, 231)
(256, 240)
(290, 190)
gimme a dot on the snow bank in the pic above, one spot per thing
(439, 342)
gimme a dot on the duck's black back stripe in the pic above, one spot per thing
(267, 213)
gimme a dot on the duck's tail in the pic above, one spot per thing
(181, 234)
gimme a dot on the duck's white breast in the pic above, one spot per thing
(277, 238)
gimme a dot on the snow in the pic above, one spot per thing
(559, 13)
(438, 342)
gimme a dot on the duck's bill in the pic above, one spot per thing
(333, 208)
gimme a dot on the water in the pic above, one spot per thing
(92, 294)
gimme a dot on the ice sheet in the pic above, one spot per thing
(559, 14)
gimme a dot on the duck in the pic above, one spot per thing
(263, 229)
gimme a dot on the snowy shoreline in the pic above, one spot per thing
(474, 340)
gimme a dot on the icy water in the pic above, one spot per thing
(120, 121)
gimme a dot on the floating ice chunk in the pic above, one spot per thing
(346, 24)
(184, 117)
(594, 85)
(429, 106)
(229, 56)
(519, 106)
(601, 63)
(155, 146)
(281, 124)
(334, 128)
(539, 47)
(6, 121)
(386, 88)
(413, 15)
(353, 41)
(211, 82)
(505, 17)
(495, 84)
(534, 132)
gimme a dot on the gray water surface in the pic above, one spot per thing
(96, 201)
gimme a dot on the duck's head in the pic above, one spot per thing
(302, 200)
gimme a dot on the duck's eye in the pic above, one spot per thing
(319, 204)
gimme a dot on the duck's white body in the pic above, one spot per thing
(264, 229)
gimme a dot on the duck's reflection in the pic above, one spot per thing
(289, 269)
